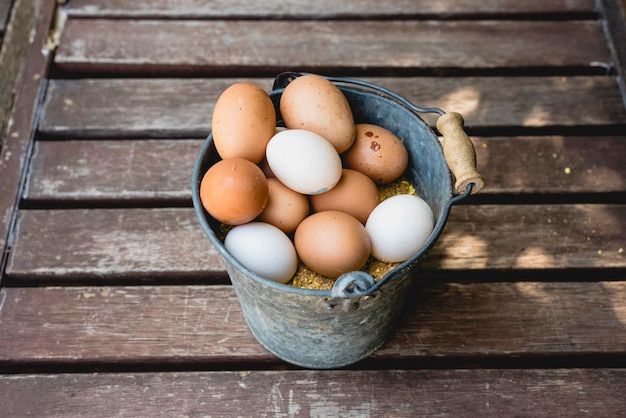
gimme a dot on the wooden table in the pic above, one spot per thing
(114, 302)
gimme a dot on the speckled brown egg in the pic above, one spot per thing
(285, 208)
(332, 243)
(377, 153)
(355, 194)
(234, 191)
(314, 103)
(243, 121)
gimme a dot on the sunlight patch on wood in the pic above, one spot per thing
(534, 257)
(617, 297)
(538, 116)
(464, 100)
(535, 291)
(468, 250)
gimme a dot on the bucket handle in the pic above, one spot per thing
(458, 149)
(351, 290)
(459, 152)
(353, 284)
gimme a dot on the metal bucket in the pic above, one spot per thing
(325, 329)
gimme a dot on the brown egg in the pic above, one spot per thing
(243, 121)
(332, 243)
(234, 191)
(313, 103)
(355, 194)
(285, 208)
(377, 153)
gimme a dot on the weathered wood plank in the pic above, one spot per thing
(552, 164)
(233, 47)
(325, 9)
(162, 324)
(170, 108)
(18, 114)
(111, 172)
(155, 172)
(163, 244)
(531, 237)
(175, 325)
(112, 244)
(388, 393)
(131, 108)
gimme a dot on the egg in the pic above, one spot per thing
(264, 249)
(332, 243)
(399, 227)
(303, 161)
(263, 164)
(314, 103)
(377, 153)
(234, 191)
(285, 208)
(355, 194)
(243, 121)
(265, 168)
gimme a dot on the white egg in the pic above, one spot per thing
(303, 161)
(399, 227)
(264, 249)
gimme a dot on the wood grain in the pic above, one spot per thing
(182, 108)
(385, 393)
(233, 47)
(114, 302)
(114, 244)
(163, 244)
(281, 9)
(25, 79)
(139, 173)
(204, 325)
(158, 172)
(552, 165)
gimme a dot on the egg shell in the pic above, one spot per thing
(377, 153)
(234, 191)
(332, 243)
(355, 194)
(399, 227)
(314, 103)
(243, 121)
(285, 208)
(264, 249)
(303, 161)
(263, 164)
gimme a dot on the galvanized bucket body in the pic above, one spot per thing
(338, 327)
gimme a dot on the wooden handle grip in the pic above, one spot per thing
(459, 152)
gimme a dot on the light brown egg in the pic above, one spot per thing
(314, 103)
(285, 208)
(377, 153)
(234, 191)
(263, 164)
(243, 121)
(265, 167)
(332, 243)
(355, 194)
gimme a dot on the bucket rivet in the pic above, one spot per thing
(325, 304)
(367, 299)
